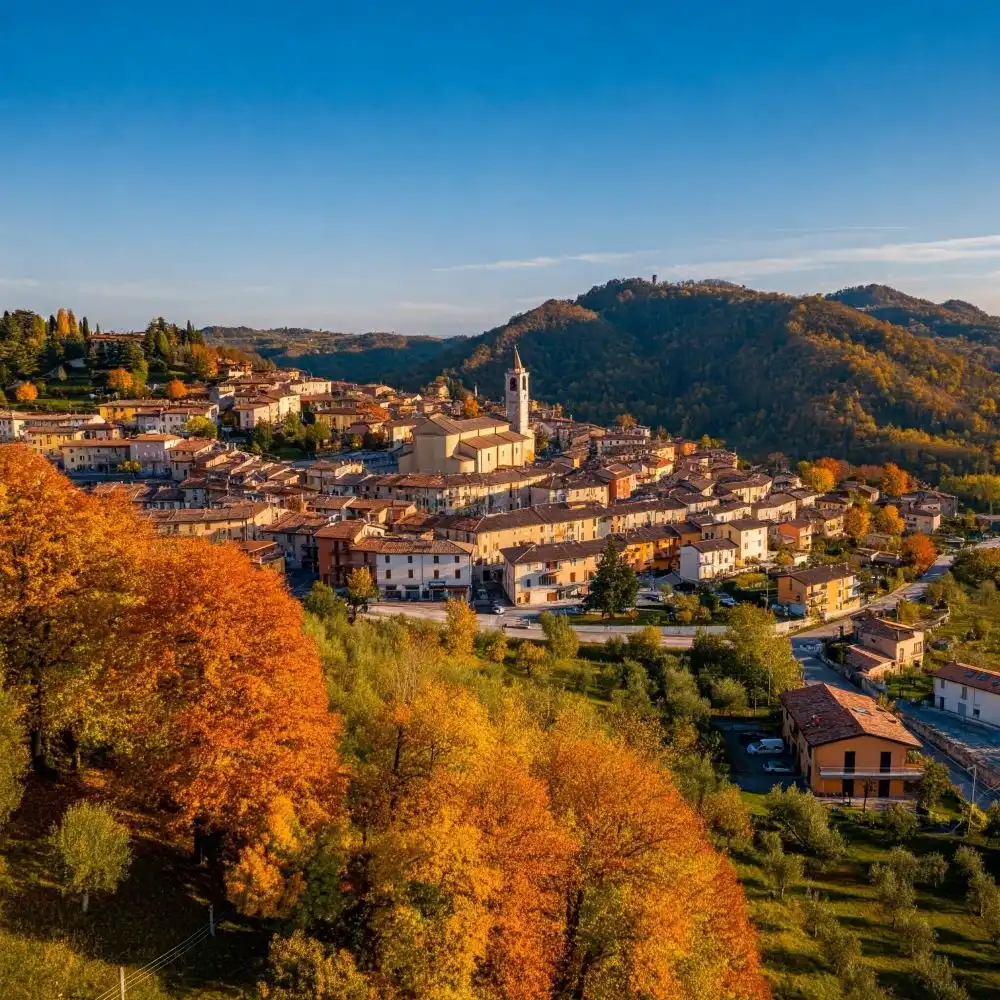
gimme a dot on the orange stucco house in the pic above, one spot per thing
(842, 739)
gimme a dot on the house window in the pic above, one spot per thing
(388, 574)
(458, 574)
(456, 558)
(965, 693)
(409, 559)
(386, 558)
(410, 573)
(437, 574)
(941, 683)
(437, 559)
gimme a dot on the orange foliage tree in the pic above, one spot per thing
(176, 389)
(235, 710)
(919, 550)
(817, 477)
(26, 392)
(857, 521)
(887, 519)
(895, 481)
(119, 380)
(836, 466)
(67, 573)
(470, 407)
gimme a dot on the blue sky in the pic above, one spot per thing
(437, 167)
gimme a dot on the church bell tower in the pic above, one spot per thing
(519, 406)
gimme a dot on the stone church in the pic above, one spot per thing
(481, 444)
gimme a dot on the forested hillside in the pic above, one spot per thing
(364, 357)
(972, 331)
(766, 372)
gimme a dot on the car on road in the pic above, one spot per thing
(727, 601)
(778, 767)
(771, 744)
(519, 623)
(498, 609)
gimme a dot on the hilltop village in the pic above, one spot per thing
(464, 497)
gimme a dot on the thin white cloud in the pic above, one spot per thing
(442, 308)
(19, 282)
(969, 248)
(528, 263)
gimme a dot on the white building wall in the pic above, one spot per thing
(983, 706)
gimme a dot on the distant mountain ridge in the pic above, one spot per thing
(769, 373)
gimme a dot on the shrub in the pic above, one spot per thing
(898, 822)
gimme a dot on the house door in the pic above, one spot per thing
(849, 756)
(941, 703)
(961, 708)
(883, 788)
(848, 788)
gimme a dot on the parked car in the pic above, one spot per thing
(771, 744)
(727, 601)
(481, 595)
(519, 623)
(498, 609)
(778, 767)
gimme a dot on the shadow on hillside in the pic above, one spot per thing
(163, 900)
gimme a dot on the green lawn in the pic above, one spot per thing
(50, 948)
(792, 958)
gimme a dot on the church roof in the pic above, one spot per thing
(518, 367)
(440, 425)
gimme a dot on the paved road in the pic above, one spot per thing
(674, 638)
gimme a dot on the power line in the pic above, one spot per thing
(148, 970)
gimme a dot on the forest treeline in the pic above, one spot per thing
(408, 821)
(765, 372)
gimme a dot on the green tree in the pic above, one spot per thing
(782, 870)
(492, 645)
(898, 822)
(763, 659)
(614, 586)
(729, 694)
(323, 601)
(92, 849)
(201, 427)
(263, 436)
(804, 820)
(563, 643)
(982, 488)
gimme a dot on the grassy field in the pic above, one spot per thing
(793, 961)
(50, 948)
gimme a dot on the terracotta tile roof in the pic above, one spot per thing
(554, 552)
(886, 630)
(415, 546)
(826, 714)
(823, 574)
(349, 530)
(974, 677)
(713, 545)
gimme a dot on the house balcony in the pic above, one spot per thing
(902, 773)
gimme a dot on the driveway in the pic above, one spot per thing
(747, 770)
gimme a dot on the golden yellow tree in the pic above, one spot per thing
(26, 392)
(857, 522)
(460, 628)
(119, 380)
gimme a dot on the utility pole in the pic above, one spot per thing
(121, 982)
(211, 920)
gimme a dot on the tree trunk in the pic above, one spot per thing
(86, 901)
(564, 975)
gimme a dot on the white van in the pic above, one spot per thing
(768, 745)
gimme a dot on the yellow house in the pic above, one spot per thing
(823, 591)
(845, 744)
(542, 574)
(479, 444)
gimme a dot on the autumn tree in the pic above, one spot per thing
(888, 520)
(176, 389)
(920, 551)
(982, 487)
(895, 481)
(119, 380)
(461, 625)
(13, 755)
(361, 590)
(640, 879)
(26, 392)
(470, 407)
(817, 477)
(68, 572)
(223, 694)
(857, 522)
(625, 421)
